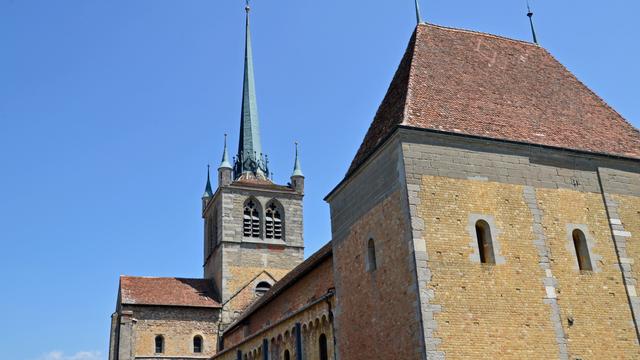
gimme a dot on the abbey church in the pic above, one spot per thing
(492, 211)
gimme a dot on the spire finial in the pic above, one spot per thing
(530, 15)
(418, 16)
(225, 156)
(208, 192)
(247, 7)
(297, 169)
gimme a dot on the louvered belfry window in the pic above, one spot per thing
(273, 223)
(251, 221)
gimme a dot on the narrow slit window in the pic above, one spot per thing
(485, 242)
(287, 355)
(273, 222)
(159, 344)
(197, 344)
(324, 353)
(372, 263)
(251, 220)
(582, 250)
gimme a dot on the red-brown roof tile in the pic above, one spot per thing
(167, 292)
(477, 84)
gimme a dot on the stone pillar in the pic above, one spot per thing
(113, 336)
(125, 343)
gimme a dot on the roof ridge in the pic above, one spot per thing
(475, 32)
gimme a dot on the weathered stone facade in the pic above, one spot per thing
(529, 304)
(140, 325)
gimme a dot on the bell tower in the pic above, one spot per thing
(253, 226)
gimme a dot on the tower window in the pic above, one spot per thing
(485, 242)
(273, 222)
(159, 344)
(287, 355)
(262, 288)
(372, 263)
(197, 344)
(324, 354)
(582, 250)
(251, 220)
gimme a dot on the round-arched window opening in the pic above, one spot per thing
(159, 342)
(197, 344)
(262, 288)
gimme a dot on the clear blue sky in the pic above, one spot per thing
(110, 111)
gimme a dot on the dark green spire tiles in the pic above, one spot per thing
(250, 159)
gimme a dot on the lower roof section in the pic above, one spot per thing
(157, 291)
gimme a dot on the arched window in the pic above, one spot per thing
(582, 250)
(485, 242)
(372, 263)
(251, 220)
(262, 288)
(159, 344)
(287, 355)
(273, 222)
(197, 344)
(324, 353)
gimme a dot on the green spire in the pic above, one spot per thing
(297, 169)
(207, 189)
(418, 16)
(250, 158)
(225, 156)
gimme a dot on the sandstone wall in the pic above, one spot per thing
(534, 302)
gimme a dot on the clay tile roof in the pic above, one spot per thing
(167, 292)
(477, 84)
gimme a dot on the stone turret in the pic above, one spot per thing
(297, 177)
(225, 171)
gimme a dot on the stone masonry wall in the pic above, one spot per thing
(315, 321)
(178, 326)
(304, 291)
(237, 259)
(595, 311)
(244, 297)
(378, 313)
(532, 197)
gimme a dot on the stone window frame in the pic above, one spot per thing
(260, 209)
(474, 257)
(280, 209)
(162, 344)
(591, 243)
(372, 255)
(198, 336)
